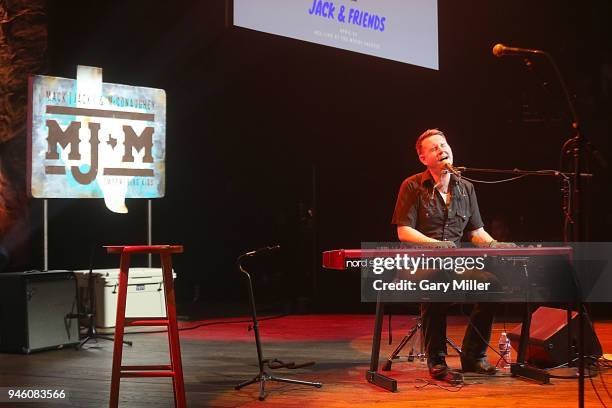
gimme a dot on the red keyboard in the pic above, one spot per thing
(336, 259)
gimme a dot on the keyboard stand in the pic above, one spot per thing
(372, 375)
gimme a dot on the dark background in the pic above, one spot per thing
(273, 140)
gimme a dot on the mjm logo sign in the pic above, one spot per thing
(90, 139)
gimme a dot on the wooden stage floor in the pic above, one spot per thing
(217, 357)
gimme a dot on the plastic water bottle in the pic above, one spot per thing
(505, 350)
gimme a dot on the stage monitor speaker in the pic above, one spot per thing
(36, 311)
(548, 337)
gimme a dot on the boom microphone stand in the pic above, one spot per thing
(262, 376)
(574, 147)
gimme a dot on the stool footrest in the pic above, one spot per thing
(147, 367)
(146, 321)
(130, 374)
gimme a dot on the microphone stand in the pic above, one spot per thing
(565, 178)
(90, 314)
(576, 218)
(574, 146)
(577, 143)
(520, 368)
(262, 376)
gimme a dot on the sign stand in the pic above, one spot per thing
(149, 231)
(46, 233)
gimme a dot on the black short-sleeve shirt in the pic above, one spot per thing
(420, 206)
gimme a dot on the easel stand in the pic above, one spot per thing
(262, 377)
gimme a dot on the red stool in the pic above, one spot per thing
(175, 368)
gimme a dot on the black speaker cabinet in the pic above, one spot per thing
(548, 337)
(36, 309)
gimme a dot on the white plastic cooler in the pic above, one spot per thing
(145, 294)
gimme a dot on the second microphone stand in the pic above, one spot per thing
(262, 377)
(90, 313)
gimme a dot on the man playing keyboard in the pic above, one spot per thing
(437, 208)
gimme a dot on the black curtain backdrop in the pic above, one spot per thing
(264, 131)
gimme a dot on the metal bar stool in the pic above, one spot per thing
(175, 368)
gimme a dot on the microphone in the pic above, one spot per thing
(263, 250)
(500, 50)
(448, 166)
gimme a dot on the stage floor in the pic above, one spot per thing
(217, 357)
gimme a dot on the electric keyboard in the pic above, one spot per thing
(337, 258)
(342, 259)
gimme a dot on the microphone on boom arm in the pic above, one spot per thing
(501, 50)
(448, 166)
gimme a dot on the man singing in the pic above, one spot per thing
(436, 208)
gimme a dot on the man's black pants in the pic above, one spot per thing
(478, 331)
